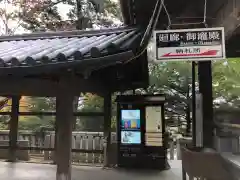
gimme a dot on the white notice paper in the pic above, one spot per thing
(153, 135)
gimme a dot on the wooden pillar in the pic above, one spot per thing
(107, 127)
(205, 88)
(55, 140)
(64, 117)
(13, 133)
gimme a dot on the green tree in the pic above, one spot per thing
(42, 104)
(12, 13)
(36, 123)
(226, 88)
(39, 123)
(94, 103)
(174, 80)
(44, 15)
(90, 103)
(226, 82)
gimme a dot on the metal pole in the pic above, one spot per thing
(193, 104)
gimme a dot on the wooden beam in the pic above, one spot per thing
(127, 16)
(44, 113)
(28, 87)
(228, 16)
(213, 7)
(13, 133)
(44, 87)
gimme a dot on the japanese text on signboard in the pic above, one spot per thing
(189, 38)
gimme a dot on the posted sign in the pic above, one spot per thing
(189, 44)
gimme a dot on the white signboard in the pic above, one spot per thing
(153, 134)
(189, 44)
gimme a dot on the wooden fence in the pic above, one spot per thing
(87, 146)
(90, 142)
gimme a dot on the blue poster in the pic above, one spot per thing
(130, 137)
(130, 119)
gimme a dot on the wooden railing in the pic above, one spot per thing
(87, 147)
(34, 139)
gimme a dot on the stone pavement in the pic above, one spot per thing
(234, 162)
(30, 171)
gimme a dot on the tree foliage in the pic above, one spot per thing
(39, 123)
(28, 14)
(44, 15)
(173, 79)
(48, 15)
(226, 84)
(90, 103)
(94, 103)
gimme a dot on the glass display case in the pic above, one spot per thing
(141, 127)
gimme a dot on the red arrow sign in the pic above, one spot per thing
(207, 53)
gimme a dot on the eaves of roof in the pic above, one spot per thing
(41, 49)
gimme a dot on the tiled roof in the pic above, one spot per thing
(39, 49)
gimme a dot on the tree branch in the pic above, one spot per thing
(18, 25)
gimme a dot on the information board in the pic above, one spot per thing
(140, 129)
(189, 44)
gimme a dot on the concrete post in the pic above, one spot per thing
(64, 111)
